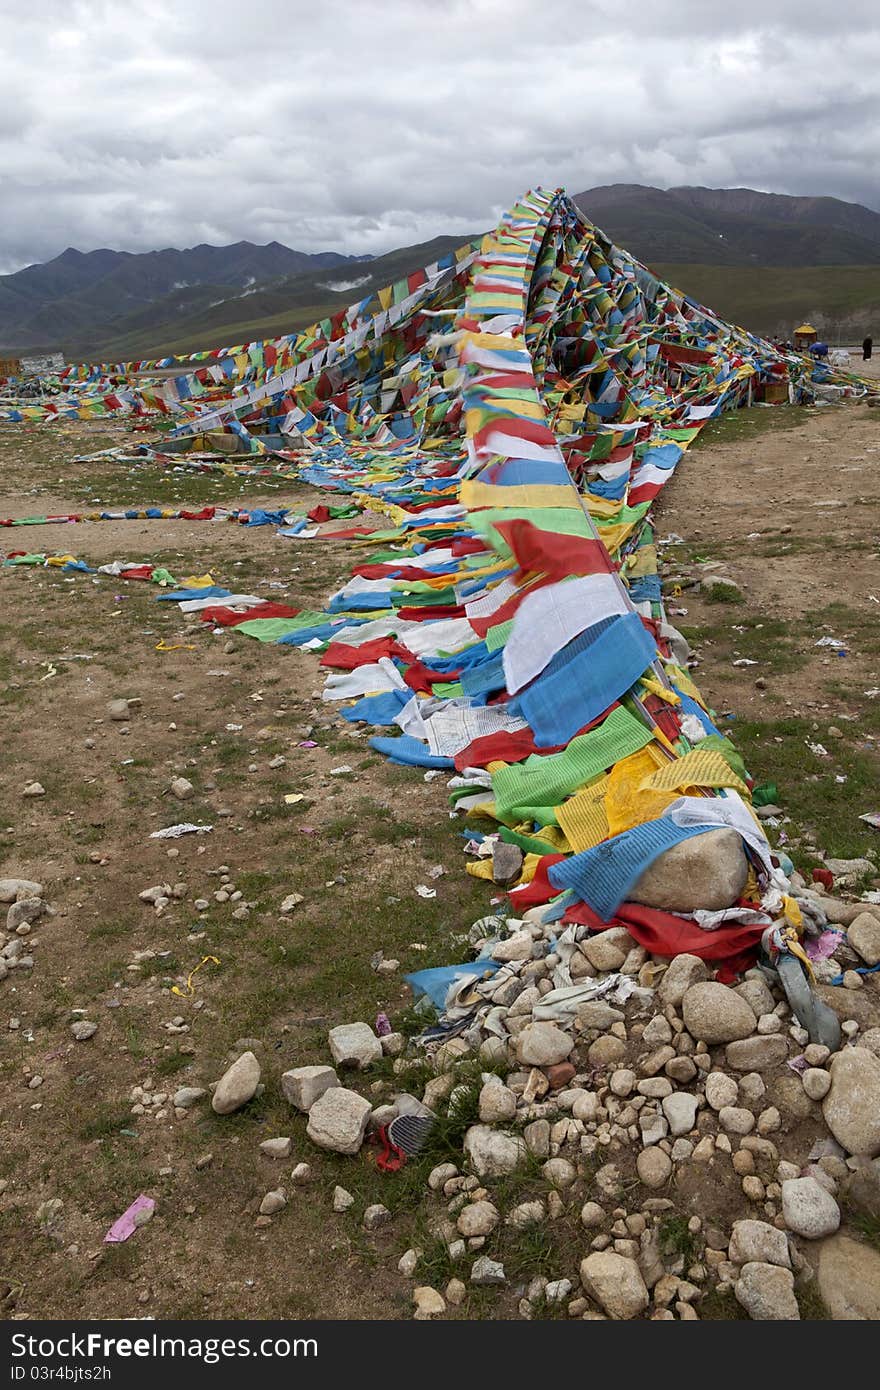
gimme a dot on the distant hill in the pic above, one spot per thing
(764, 260)
(78, 294)
(733, 226)
(214, 315)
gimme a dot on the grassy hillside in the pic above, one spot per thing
(843, 302)
(283, 305)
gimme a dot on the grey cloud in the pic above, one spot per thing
(360, 126)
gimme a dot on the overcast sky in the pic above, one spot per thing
(362, 126)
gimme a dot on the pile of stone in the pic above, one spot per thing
(660, 1092)
(25, 907)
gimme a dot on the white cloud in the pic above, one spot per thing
(360, 126)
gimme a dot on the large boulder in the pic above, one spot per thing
(852, 1106)
(616, 1283)
(338, 1120)
(705, 871)
(716, 1014)
(237, 1085)
(849, 1279)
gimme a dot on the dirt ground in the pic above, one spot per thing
(785, 502)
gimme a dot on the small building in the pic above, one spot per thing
(804, 337)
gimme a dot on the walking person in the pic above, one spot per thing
(867, 347)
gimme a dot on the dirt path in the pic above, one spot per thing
(222, 714)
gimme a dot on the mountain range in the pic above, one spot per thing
(733, 226)
(765, 260)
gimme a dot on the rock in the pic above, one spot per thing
(516, 947)
(716, 1014)
(537, 1138)
(375, 1216)
(440, 1175)
(559, 1172)
(557, 1291)
(24, 912)
(710, 582)
(758, 1242)
(486, 1273)
(13, 888)
(338, 1120)
(409, 1260)
(623, 1082)
(682, 972)
(559, 1075)
(606, 1050)
(272, 1202)
(477, 1219)
(734, 1119)
(290, 902)
(354, 1045)
(816, 1083)
(542, 1044)
(302, 1174)
(756, 1054)
(186, 1096)
(182, 789)
(34, 789)
(657, 1032)
(276, 1148)
(681, 1069)
(706, 871)
(237, 1085)
(592, 1215)
(527, 1214)
(767, 1293)
(456, 1293)
(429, 1303)
(863, 1189)
(119, 711)
(852, 1105)
(82, 1030)
(864, 936)
(721, 1090)
(808, 1209)
(616, 1284)
(680, 1110)
(654, 1167)
(497, 1103)
(756, 995)
(595, 1013)
(848, 871)
(607, 950)
(849, 1279)
(507, 862)
(493, 1153)
(303, 1085)
(342, 1200)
